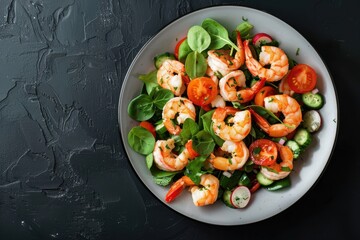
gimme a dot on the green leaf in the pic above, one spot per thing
(230, 182)
(203, 143)
(161, 97)
(193, 169)
(195, 65)
(184, 50)
(150, 80)
(141, 108)
(162, 178)
(244, 28)
(219, 35)
(198, 39)
(189, 129)
(207, 125)
(141, 140)
(263, 111)
(149, 160)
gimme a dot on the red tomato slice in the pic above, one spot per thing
(263, 152)
(263, 93)
(192, 152)
(176, 52)
(148, 126)
(201, 91)
(302, 78)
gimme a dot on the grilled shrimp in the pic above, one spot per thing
(202, 195)
(170, 76)
(233, 87)
(269, 55)
(220, 61)
(239, 155)
(289, 107)
(165, 159)
(175, 111)
(277, 171)
(231, 124)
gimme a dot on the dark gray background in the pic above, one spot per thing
(63, 170)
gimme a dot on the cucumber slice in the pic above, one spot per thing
(160, 128)
(295, 148)
(240, 197)
(264, 181)
(312, 120)
(313, 100)
(303, 137)
(159, 59)
(226, 198)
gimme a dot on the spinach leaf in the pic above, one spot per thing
(244, 28)
(141, 108)
(219, 35)
(184, 50)
(193, 169)
(230, 182)
(203, 143)
(195, 65)
(189, 129)
(161, 97)
(208, 127)
(162, 178)
(150, 80)
(141, 140)
(198, 39)
(149, 159)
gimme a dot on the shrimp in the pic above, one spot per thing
(269, 55)
(205, 195)
(170, 76)
(231, 124)
(220, 61)
(239, 155)
(209, 72)
(218, 102)
(229, 87)
(175, 111)
(277, 171)
(289, 107)
(284, 86)
(165, 159)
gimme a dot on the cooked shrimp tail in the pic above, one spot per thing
(277, 171)
(175, 112)
(202, 195)
(288, 106)
(231, 124)
(222, 62)
(239, 155)
(269, 55)
(177, 188)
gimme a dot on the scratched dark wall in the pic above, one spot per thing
(63, 171)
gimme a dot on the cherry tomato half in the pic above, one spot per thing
(263, 152)
(176, 52)
(148, 126)
(302, 78)
(191, 151)
(263, 93)
(202, 90)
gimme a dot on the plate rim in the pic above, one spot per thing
(133, 61)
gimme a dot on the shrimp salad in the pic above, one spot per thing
(225, 115)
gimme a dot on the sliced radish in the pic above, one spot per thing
(240, 197)
(312, 120)
(261, 38)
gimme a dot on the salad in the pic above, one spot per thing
(225, 115)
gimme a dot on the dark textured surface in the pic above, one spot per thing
(63, 171)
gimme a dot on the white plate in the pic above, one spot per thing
(264, 204)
